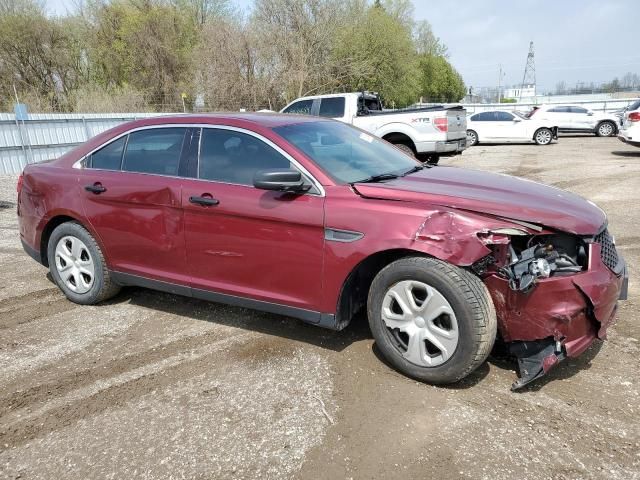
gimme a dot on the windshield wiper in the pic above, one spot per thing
(378, 178)
(415, 169)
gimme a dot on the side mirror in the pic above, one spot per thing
(280, 180)
(517, 119)
(590, 114)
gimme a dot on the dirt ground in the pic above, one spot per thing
(152, 385)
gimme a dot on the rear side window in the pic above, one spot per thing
(155, 150)
(303, 107)
(229, 156)
(332, 107)
(560, 110)
(503, 117)
(108, 157)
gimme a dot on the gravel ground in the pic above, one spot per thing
(151, 385)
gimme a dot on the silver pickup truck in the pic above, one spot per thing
(427, 133)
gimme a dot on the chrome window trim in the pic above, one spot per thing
(79, 164)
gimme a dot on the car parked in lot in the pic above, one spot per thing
(630, 127)
(318, 220)
(427, 132)
(501, 126)
(577, 119)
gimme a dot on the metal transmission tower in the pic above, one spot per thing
(529, 77)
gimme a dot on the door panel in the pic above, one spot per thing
(138, 218)
(255, 243)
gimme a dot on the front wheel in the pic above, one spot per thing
(431, 320)
(606, 129)
(543, 136)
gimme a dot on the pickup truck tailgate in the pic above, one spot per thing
(457, 122)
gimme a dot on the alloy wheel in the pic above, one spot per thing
(543, 137)
(605, 130)
(421, 323)
(74, 264)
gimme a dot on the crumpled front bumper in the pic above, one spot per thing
(561, 317)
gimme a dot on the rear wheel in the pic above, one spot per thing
(606, 129)
(77, 265)
(431, 320)
(406, 149)
(472, 138)
(543, 136)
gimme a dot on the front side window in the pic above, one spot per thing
(560, 110)
(347, 154)
(234, 157)
(579, 110)
(108, 157)
(332, 107)
(303, 107)
(155, 150)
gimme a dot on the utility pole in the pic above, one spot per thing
(500, 75)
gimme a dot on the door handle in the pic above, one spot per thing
(96, 188)
(204, 201)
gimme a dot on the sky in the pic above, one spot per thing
(574, 40)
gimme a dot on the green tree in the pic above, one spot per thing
(146, 46)
(377, 53)
(439, 81)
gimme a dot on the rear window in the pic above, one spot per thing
(332, 107)
(156, 150)
(303, 107)
(634, 106)
(108, 157)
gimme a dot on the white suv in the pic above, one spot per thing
(577, 119)
(630, 130)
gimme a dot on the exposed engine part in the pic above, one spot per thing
(543, 257)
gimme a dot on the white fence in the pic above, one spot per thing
(47, 136)
(604, 105)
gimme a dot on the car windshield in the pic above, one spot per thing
(347, 154)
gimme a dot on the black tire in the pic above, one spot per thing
(102, 287)
(543, 136)
(606, 129)
(471, 304)
(428, 158)
(406, 149)
(472, 138)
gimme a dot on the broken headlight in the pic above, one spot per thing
(541, 256)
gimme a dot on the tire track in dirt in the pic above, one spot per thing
(41, 393)
(26, 308)
(164, 373)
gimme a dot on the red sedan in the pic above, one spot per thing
(318, 220)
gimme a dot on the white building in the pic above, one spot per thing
(529, 91)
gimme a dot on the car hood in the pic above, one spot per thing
(494, 194)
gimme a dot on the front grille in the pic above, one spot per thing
(608, 252)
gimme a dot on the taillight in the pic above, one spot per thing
(19, 184)
(634, 117)
(441, 124)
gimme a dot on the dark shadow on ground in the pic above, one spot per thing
(627, 153)
(469, 381)
(4, 204)
(253, 320)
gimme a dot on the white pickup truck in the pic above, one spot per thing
(424, 132)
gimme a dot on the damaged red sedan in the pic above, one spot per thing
(318, 220)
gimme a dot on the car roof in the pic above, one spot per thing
(261, 119)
